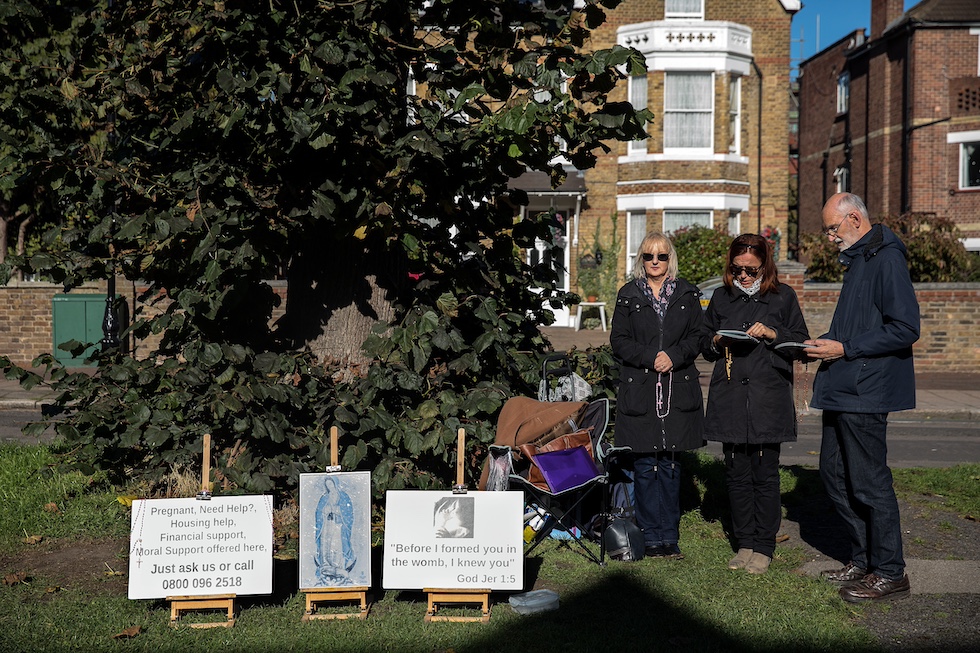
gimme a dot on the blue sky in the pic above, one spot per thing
(837, 18)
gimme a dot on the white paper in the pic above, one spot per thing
(454, 541)
(188, 547)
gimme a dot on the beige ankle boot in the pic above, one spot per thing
(758, 563)
(741, 559)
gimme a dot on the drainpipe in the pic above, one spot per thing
(906, 119)
(758, 162)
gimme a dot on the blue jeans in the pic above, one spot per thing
(657, 484)
(855, 473)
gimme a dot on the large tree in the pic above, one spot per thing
(361, 150)
(36, 121)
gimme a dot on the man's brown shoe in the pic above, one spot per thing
(849, 573)
(875, 588)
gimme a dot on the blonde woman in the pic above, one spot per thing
(659, 412)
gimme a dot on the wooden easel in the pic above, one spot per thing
(479, 597)
(179, 604)
(318, 595)
(457, 597)
(226, 602)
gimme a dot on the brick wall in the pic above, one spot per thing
(950, 313)
(899, 160)
(25, 324)
(26, 327)
(770, 25)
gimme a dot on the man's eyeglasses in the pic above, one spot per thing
(832, 231)
(738, 270)
(660, 257)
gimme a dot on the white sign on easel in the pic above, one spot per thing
(189, 547)
(459, 541)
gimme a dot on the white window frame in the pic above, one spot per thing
(683, 13)
(734, 222)
(680, 214)
(735, 114)
(638, 98)
(633, 217)
(965, 157)
(963, 140)
(698, 150)
(842, 179)
(544, 96)
(543, 249)
(843, 92)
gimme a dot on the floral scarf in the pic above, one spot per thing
(659, 303)
(749, 290)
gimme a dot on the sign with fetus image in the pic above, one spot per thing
(334, 530)
(453, 541)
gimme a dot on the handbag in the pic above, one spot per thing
(623, 540)
(561, 443)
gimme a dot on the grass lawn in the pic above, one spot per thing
(695, 604)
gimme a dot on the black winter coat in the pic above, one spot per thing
(637, 335)
(752, 403)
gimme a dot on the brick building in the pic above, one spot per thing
(717, 82)
(894, 116)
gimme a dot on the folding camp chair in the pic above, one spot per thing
(561, 476)
(522, 421)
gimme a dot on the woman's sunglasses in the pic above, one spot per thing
(660, 257)
(737, 270)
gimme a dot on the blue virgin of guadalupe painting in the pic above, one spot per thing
(335, 530)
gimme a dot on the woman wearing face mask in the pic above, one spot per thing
(750, 400)
(655, 335)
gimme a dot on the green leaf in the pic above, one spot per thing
(413, 441)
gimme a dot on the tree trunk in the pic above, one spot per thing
(335, 295)
(4, 223)
(22, 234)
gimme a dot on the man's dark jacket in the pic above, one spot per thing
(877, 320)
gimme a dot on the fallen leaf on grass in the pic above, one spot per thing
(52, 589)
(782, 538)
(15, 579)
(33, 539)
(111, 571)
(970, 518)
(126, 500)
(128, 633)
(52, 507)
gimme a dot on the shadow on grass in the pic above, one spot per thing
(809, 506)
(621, 613)
(703, 487)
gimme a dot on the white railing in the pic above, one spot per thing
(703, 37)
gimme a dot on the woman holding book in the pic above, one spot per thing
(753, 328)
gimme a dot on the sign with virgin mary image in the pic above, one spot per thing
(334, 530)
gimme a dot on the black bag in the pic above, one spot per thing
(623, 540)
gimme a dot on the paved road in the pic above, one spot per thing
(912, 442)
